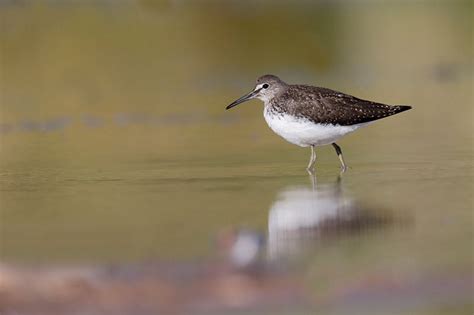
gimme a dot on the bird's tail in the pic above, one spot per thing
(401, 108)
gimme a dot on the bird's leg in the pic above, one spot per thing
(312, 177)
(312, 161)
(341, 158)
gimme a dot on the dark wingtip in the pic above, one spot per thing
(402, 108)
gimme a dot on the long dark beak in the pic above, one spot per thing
(244, 98)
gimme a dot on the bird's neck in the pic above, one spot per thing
(265, 99)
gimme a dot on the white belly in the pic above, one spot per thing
(305, 133)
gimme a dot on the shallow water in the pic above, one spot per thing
(115, 147)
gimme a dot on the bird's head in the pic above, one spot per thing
(266, 88)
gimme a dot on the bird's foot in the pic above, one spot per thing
(344, 168)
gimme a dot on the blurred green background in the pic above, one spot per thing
(115, 145)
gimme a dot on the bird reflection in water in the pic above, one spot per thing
(302, 217)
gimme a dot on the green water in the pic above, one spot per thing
(115, 146)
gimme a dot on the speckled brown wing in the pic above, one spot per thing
(326, 106)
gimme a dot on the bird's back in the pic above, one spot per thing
(326, 106)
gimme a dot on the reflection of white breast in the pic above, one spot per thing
(304, 132)
(298, 214)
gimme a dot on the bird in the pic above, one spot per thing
(311, 116)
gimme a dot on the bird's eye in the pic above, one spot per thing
(265, 86)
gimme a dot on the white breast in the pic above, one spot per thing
(304, 132)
